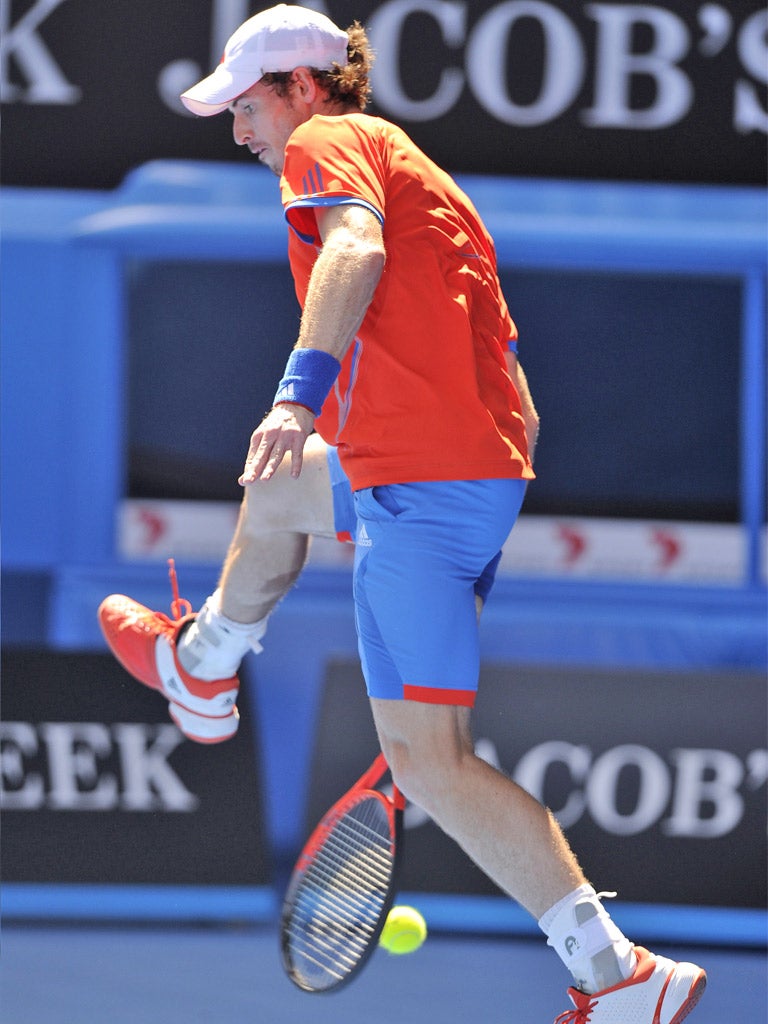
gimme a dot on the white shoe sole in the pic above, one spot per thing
(204, 728)
(686, 987)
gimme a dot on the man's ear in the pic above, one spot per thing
(305, 88)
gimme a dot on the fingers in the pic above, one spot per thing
(283, 431)
(297, 460)
(262, 461)
(264, 458)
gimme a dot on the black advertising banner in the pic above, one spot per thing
(663, 91)
(99, 786)
(658, 778)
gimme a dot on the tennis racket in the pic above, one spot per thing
(343, 886)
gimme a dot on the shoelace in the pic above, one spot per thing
(580, 1015)
(179, 605)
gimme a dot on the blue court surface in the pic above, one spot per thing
(164, 975)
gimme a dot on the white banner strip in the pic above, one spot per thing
(579, 548)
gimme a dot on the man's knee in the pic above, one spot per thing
(424, 746)
(287, 504)
(266, 507)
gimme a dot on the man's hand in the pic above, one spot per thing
(284, 429)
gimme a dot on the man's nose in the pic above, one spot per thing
(241, 130)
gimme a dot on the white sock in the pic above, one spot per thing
(594, 950)
(213, 646)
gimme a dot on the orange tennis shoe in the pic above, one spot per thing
(659, 992)
(144, 642)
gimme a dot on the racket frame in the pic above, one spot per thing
(395, 806)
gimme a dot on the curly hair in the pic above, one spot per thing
(347, 84)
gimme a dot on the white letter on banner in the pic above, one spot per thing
(385, 27)
(73, 750)
(179, 75)
(562, 73)
(693, 791)
(531, 772)
(615, 65)
(653, 792)
(149, 782)
(21, 41)
(749, 114)
(19, 791)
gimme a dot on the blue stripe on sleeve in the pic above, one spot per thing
(310, 201)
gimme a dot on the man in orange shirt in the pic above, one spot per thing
(403, 363)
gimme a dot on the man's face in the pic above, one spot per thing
(264, 121)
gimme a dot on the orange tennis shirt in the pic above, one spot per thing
(424, 393)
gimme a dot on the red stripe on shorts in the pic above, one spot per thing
(434, 695)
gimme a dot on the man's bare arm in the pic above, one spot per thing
(341, 287)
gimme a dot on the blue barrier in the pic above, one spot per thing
(477, 915)
(64, 308)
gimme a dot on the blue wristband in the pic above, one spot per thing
(309, 376)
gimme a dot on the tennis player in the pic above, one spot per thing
(406, 365)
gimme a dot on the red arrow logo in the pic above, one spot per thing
(669, 547)
(575, 543)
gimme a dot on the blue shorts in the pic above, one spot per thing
(345, 520)
(344, 516)
(421, 549)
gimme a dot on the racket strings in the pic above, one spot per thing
(353, 862)
(336, 890)
(352, 868)
(337, 904)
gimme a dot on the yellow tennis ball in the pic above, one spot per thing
(404, 930)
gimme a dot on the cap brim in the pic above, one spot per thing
(215, 93)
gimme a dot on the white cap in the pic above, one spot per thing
(280, 39)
